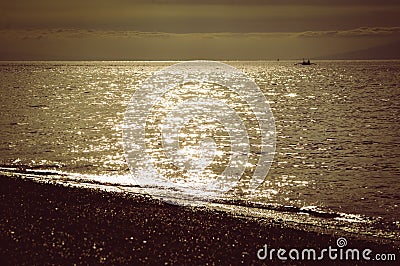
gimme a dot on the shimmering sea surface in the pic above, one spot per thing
(337, 129)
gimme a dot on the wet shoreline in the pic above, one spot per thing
(49, 223)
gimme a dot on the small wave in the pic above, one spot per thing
(39, 106)
(63, 177)
(108, 182)
(279, 208)
(24, 169)
(309, 215)
(127, 182)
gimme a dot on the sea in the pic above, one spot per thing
(336, 164)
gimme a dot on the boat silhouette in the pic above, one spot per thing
(305, 63)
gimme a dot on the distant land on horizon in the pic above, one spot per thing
(381, 52)
(79, 52)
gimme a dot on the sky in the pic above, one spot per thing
(195, 29)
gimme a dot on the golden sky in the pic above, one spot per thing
(195, 29)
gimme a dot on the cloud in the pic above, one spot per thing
(359, 32)
(198, 16)
(80, 44)
(79, 33)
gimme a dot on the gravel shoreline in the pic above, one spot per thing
(52, 224)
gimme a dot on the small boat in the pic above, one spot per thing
(305, 63)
